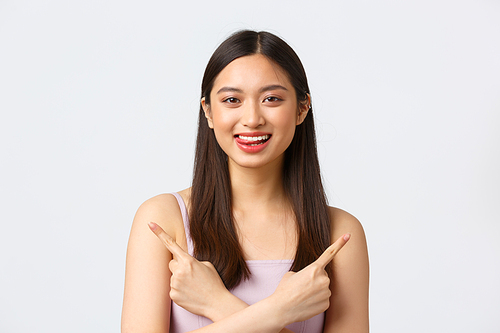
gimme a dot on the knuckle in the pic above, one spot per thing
(173, 294)
(317, 270)
(326, 305)
(190, 262)
(181, 273)
(333, 252)
(173, 283)
(166, 236)
(313, 268)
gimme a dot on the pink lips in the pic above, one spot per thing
(248, 146)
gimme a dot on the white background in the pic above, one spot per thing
(99, 102)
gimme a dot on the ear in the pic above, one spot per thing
(208, 114)
(304, 108)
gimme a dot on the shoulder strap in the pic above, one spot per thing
(185, 219)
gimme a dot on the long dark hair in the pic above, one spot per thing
(212, 226)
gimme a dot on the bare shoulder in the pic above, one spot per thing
(349, 285)
(353, 258)
(162, 209)
(146, 297)
(162, 203)
(342, 222)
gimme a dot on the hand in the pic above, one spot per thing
(306, 293)
(196, 286)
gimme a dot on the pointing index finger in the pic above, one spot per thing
(327, 256)
(168, 241)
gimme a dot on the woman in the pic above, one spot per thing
(256, 210)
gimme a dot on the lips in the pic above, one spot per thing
(252, 142)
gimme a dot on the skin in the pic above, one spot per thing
(154, 276)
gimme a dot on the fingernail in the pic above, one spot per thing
(347, 236)
(152, 226)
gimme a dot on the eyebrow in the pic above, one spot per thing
(261, 90)
(272, 87)
(229, 89)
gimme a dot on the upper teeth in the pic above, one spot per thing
(254, 138)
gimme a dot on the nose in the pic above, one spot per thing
(252, 116)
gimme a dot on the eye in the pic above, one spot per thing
(272, 99)
(231, 100)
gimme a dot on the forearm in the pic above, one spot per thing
(298, 297)
(261, 317)
(231, 306)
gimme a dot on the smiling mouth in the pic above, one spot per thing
(252, 140)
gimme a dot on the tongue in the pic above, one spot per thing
(254, 142)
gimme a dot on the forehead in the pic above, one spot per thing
(252, 73)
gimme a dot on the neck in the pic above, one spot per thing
(257, 188)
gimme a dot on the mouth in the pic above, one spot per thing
(252, 140)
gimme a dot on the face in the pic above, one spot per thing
(254, 111)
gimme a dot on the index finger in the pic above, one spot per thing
(327, 256)
(168, 241)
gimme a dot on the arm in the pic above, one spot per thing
(146, 301)
(298, 297)
(348, 311)
(196, 286)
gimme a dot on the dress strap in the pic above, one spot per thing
(185, 220)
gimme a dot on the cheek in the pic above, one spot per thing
(223, 124)
(286, 122)
(284, 129)
(223, 121)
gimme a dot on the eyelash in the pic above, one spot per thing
(231, 100)
(274, 99)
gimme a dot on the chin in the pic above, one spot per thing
(254, 162)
